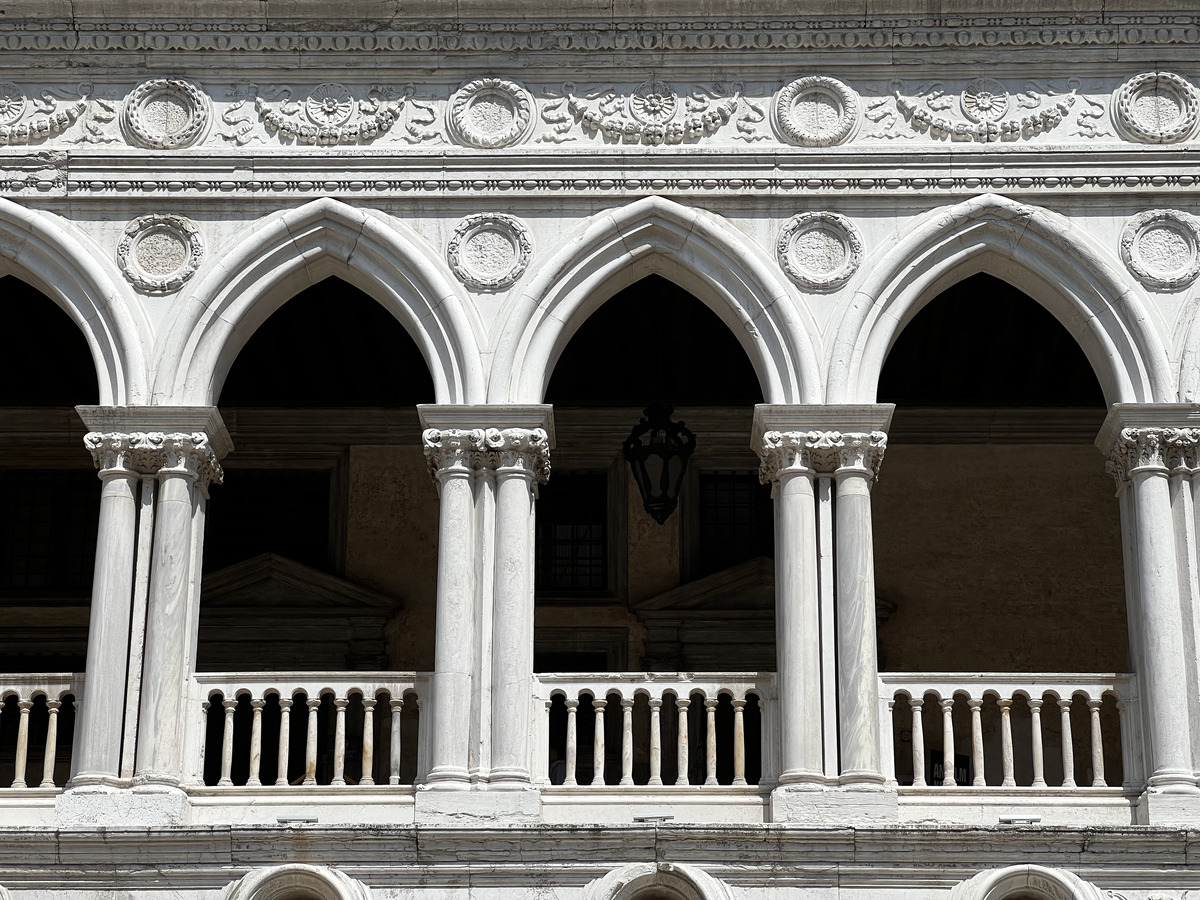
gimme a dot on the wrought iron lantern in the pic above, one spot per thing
(658, 450)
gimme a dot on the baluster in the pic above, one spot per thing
(22, 744)
(1006, 743)
(598, 743)
(681, 747)
(626, 741)
(948, 742)
(52, 743)
(918, 741)
(285, 742)
(227, 743)
(1097, 744)
(978, 780)
(310, 746)
(572, 743)
(339, 741)
(368, 743)
(396, 706)
(203, 730)
(1039, 764)
(710, 744)
(655, 742)
(1068, 749)
(739, 743)
(256, 743)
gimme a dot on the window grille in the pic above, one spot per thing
(736, 520)
(572, 533)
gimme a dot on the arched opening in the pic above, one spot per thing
(49, 512)
(997, 539)
(616, 591)
(320, 546)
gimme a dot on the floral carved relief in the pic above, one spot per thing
(983, 112)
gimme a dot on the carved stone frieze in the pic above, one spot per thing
(327, 115)
(820, 251)
(166, 114)
(149, 453)
(1156, 108)
(489, 251)
(820, 453)
(1161, 247)
(159, 253)
(817, 111)
(982, 112)
(653, 113)
(26, 120)
(490, 112)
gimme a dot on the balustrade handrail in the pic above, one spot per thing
(736, 684)
(1115, 692)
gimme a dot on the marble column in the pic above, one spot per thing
(1139, 461)
(451, 454)
(858, 459)
(99, 732)
(786, 465)
(521, 460)
(187, 464)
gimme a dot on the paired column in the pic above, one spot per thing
(1141, 457)
(483, 665)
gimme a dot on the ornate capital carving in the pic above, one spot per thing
(1162, 449)
(820, 453)
(155, 452)
(473, 449)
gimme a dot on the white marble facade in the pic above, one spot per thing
(171, 174)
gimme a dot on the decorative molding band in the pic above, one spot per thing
(450, 450)
(149, 453)
(883, 33)
(1161, 247)
(820, 453)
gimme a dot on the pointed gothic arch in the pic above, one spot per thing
(697, 250)
(1033, 249)
(63, 263)
(296, 249)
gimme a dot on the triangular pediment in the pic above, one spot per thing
(748, 585)
(273, 581)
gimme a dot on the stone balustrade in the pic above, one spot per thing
(300, 729)
(37, 714)
(666, 730)
(1077, 732)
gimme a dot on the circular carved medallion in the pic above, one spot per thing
(653, 103)
(329, 104)
(816, 111)
(984, 100)
(489, 250)
(12, 103)
(819, 250)
(166, 113)
(1161, 247)
(159, 253)
(490, 112)
(1156, 108)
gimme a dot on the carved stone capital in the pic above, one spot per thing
(156, 452)
(452, 449)
(820, 453)
(522, 449)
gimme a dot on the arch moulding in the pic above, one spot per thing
(1035, 250)
(62, 262)
(1023, 882)
(697, 250)
(289, 251)
(679, 881)
(296, 881)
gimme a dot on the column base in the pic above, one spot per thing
(446, 779)
(1178, 807)
(104, 805)
(479, 808)
(857, 805)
